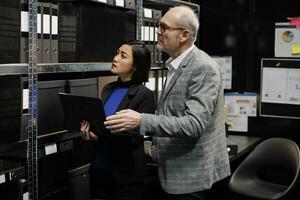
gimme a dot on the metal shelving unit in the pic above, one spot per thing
(60, 68)
(18, 149)
(32, 152)
(139, 19)
(34, 147)
(52, 68)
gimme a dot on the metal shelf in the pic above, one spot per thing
(56, 68)
(51, 68)
(57, 137)
(18, 149)
(13, 69)
(156, 66)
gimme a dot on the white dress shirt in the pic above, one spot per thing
(172, 64)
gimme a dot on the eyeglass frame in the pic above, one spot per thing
(167, 27)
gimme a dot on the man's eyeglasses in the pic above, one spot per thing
(164, 27)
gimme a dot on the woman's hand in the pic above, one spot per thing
(86, 133)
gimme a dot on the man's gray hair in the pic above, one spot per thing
(188, 20)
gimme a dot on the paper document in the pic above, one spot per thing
(146, 33)
(39, 23)
(147, 13)
(281, 85)
(50, 149)
(25, 98)
(46, 24)
(24, 21)
(120, 3)
(274, 85)
(238, 123)
(2, 178)
(155, 35)
(296, 49)
(293, 87)
(54, 30)
(143, 33)
(151, 38)
(225, 65)
(241, 104)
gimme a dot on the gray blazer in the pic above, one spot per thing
(188, 130)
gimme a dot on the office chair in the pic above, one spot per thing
(269, 172)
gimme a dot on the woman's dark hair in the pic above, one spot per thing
(141, 62)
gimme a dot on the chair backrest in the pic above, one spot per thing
(276, 160)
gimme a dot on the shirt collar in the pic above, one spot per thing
(174, 63)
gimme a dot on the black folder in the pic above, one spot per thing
(79, 108)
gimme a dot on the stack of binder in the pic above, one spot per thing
(149, 36)
(9, 30)
(54, 33)
(120, 3)
(14, 29)
(47, 30)
(91, 31)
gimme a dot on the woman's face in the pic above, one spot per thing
(123, 62)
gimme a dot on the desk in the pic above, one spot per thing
(244, 145)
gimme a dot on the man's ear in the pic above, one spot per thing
(185, 35)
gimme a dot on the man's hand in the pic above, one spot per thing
(86, 133)
(124, 120)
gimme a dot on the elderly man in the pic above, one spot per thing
(188, 129)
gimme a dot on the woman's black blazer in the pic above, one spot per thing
(126, 153)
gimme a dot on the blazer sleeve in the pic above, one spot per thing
(203, 93)
(147, 105)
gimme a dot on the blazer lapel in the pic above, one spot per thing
(130, 94)
(171, 83)
(107, 91)
(177, 73)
